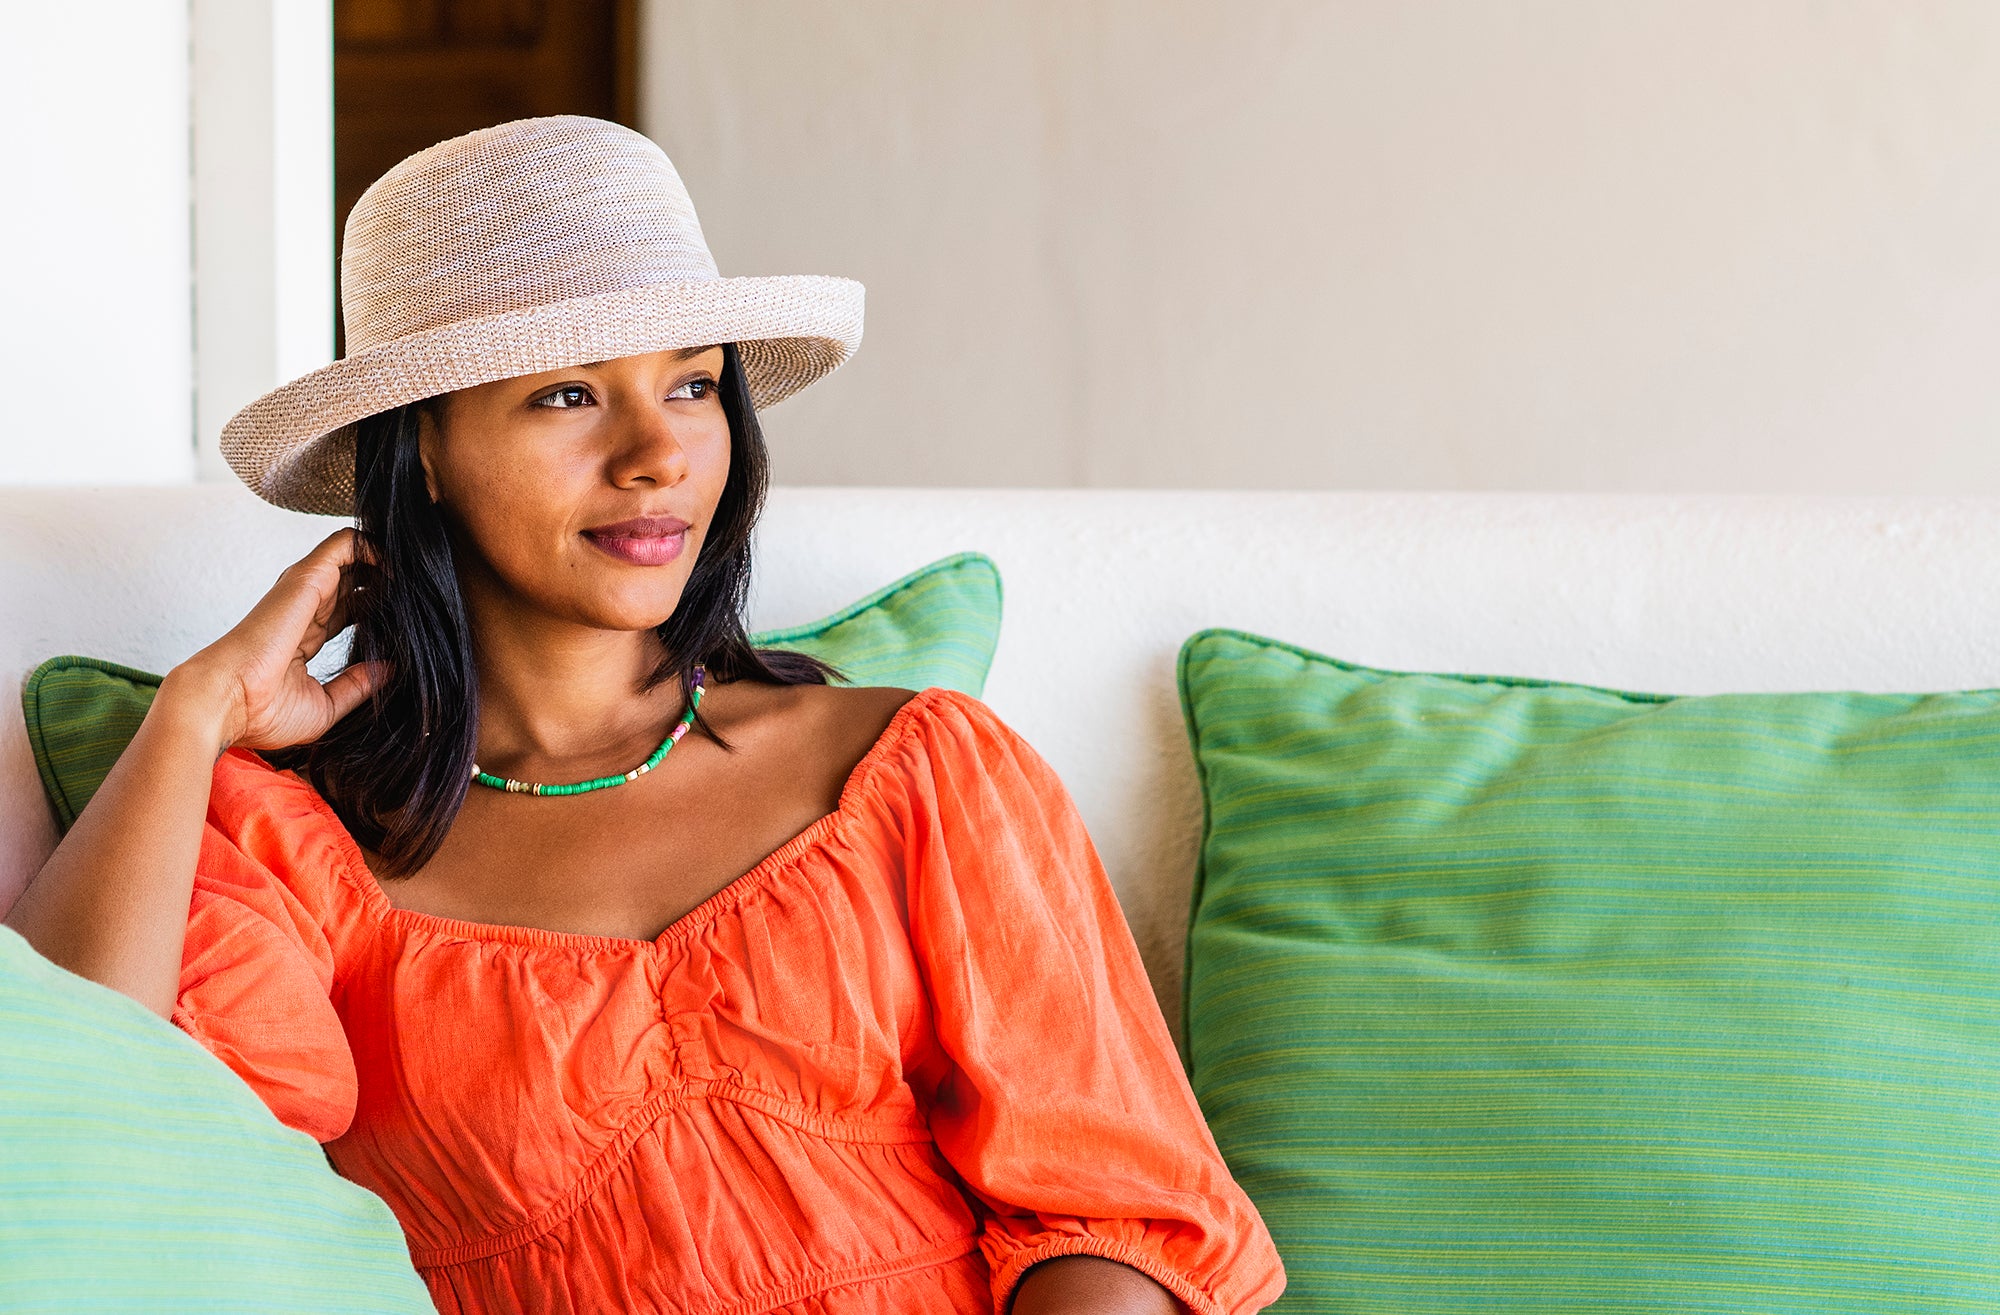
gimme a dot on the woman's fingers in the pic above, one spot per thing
(335, 551)
(265, 654)
(352, 561)
(356, 579)
(351, 688)
(310, 597)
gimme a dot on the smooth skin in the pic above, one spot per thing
(563, 636)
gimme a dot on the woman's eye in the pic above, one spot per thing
(561, 398)
(694, 390)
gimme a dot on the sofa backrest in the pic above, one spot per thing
(1671, 594)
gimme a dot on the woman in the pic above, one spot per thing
(826, 1006)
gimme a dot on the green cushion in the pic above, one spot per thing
(1513, 995)
(937, 625)
(137, 1173)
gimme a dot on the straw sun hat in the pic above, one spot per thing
(529, 246)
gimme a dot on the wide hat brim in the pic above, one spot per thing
(295, 445)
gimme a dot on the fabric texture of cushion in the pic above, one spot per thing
(139, 1174)
(1515, 995)
(937, 625)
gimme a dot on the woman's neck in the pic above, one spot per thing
(550, 690)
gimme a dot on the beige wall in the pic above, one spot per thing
(1651, 244)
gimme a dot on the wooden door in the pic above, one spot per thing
(409, 73)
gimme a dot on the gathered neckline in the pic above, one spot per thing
(355, 869)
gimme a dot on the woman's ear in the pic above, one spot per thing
(428, 436)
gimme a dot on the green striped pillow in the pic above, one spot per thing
(139, 1174)
(937, 625)
(1512, 995)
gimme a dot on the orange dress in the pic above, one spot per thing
(908, 1055)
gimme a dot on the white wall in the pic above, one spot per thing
(94, 302)
(1561, 244)
(168, 228)
(263, 191)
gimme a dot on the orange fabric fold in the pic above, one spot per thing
(908, 1055)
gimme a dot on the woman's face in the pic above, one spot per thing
(583, 494)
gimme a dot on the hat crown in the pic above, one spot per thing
(512, 217)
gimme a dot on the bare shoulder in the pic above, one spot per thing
(836, 724)
(853, 716)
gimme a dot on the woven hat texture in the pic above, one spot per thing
(529, 246)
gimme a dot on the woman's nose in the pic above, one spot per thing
(647, 447)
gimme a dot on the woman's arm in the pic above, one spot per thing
(1091, 1285)
(111, 903)
(1054, 1090)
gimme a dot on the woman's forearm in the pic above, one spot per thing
(1090, 1285)
(111, 903)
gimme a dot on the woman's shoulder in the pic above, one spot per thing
(945, 741)
(847, 718)
(806, 726)
(933, 721)
(854, 736)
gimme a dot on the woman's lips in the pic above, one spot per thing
(644, 541)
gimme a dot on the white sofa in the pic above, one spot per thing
(1675, 594)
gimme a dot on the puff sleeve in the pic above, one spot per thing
(1060, 1101)
(257, 966)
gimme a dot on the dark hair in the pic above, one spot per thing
(396, 769)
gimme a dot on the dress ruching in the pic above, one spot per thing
(910, 1054)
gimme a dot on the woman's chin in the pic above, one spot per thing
(648, 613)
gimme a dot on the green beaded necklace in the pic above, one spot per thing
(512, 786)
